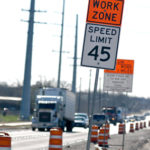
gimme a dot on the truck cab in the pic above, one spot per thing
(48, 112)
(115, 114)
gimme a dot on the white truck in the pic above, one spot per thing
(54, 107)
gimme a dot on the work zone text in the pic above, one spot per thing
(105, 11)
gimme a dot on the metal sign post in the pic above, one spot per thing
(101, 39)
(92, 110)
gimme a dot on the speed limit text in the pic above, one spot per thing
(102, 31)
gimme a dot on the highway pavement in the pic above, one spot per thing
(23, 138)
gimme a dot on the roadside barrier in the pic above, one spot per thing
(121, 129)
(144, 124)
(5, 141)
(102, 138)
(141, 125)
(131, 127)
(55, 142)
(94, 133)
(136, 126)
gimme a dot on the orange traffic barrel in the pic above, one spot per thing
(141, 125)
(121, 129)
(136, 126)
(144, 124)
(102, 138)
(55, 142)
(106, 127)
(131, 127)
(94, 133)
(5, 141)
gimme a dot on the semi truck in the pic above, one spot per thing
(115, 114)
(54, 107)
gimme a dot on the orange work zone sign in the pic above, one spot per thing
(123, 67)
(105, 12)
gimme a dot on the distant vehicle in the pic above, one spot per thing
(131, 119)
(84, 115)
(142, 117)
(115, 114)
(126, 119)
(100, 119)
(137, 118)
(54, 107)
(80, 122)
(147, 114)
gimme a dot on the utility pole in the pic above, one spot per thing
(25, 103)
(75, 58)
(79, 100)
(61, 44)
(89, 94)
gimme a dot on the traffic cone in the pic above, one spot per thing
(106, 127)
(55, 142)
(141, 125)
(131, 127)
(94, 133)
(137, 126)
(102, 138)
(121, 129)
(5, 141)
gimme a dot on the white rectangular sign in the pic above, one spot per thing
(118, 82)
(100, 46)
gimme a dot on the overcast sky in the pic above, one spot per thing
(133, 44)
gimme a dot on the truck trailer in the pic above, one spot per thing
(54, 107)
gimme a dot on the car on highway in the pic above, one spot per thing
(80, 122)
(137, 118)
(142, 117)
(131, 119)
(100, 119)
(84, 115)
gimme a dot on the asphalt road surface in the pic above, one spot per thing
(26, 139)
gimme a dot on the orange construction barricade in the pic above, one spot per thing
(106, 127)
(131, 127)
(5, 141)
(121, 129)
(94, 133)
(141, 125)
(55, 142)
(136, 126)
(102, 138)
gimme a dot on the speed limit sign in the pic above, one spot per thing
(100, 46)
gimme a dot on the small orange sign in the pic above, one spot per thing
(123, 67)
(105, 12)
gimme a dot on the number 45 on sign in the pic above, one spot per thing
(94, 53)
